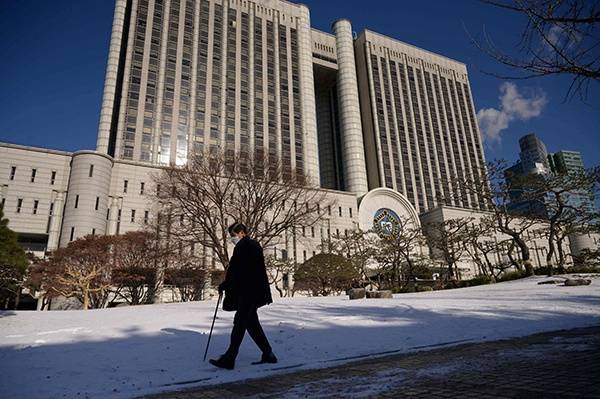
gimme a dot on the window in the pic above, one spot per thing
(146, 217)
(50, 212)
(53, 177)
(329, 210)
(19, 204)
(303, 231)
(72, 233)
(97, 202)
(304, 255)
(312, 232)
(13, 172)
(107, 213)
(76, 200)
(35, 206)
(125, 183)
(350, 211)
(340, 211)
(3, 202)
(91, 170)
(33, 173)
(142, 188)
(93, 232)
(133, 216)
(119, 221)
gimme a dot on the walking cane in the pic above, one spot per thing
(213, 324)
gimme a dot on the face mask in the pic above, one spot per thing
(234, 240)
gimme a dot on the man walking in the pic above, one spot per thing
(246, 289)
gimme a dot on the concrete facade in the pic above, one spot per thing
(353, 113)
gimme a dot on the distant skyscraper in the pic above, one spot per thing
(571, 162)
(533, 155)
(566, 162)
(534, 158)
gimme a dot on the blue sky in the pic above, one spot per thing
(53, 57)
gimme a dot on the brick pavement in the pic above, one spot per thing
(560, 364)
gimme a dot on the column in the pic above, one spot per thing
(56, 222)
(355, 171)
(307, 96)
(110, 80)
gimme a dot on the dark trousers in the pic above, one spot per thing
(246, 319)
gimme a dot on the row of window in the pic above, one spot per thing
(34, 174)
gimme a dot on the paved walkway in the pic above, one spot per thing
(561, 364)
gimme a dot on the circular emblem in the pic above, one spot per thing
(386, 223)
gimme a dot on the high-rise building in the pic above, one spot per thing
(571, 163)
(535, 159)
(383, 126)
(189, 76)
(533, 155)
(566, 162)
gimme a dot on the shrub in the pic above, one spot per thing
(479, 280)
(482, 280)
(325, 273)
(424, 288)
(543, 270)
(515, 275)
(584, 269)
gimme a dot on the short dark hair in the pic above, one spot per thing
(237, 228)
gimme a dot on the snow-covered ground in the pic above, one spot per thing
(127, 352)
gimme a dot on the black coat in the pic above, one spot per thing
(246, 279)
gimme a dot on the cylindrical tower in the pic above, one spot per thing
(111, 79)
(355, 170)
(87, 199)
(307, 96)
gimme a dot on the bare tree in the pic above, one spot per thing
(188, 276)
(448, 238)
(398, 251)
(136, 256)
(81, 270)
(480, 245)
(278, 271)
(199, 200)
(560, 37)
(495, 193)
(563, 214)
(360, 247)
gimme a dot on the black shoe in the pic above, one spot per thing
(266, 358)
(223, 362)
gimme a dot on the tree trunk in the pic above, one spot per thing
(411, 275)
(524, 254)
(86, 299)
(550, 253)
(17, 298)
(488, 263)
(561, 253)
